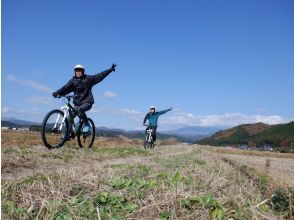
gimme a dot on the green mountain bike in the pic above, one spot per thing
(58, 127)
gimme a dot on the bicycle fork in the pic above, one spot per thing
(65, 112)
(149, 136)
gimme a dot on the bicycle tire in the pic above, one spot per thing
(43, 130)
(80, 135)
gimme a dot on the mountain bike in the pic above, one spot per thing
(58, 127)
(149, 143)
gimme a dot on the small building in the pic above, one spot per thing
(24, 129)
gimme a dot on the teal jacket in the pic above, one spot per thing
(153, 117)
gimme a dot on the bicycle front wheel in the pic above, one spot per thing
(54, 129)
(86, 139)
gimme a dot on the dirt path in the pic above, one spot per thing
(48, 166)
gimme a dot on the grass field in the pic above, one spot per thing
(118, 179)
(280, 166)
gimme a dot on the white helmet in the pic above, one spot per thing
(79, 66)
(152, 106)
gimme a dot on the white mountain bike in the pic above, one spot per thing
(149, 142)
(58, 127)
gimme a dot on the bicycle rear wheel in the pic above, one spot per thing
(148, 145)
(54, 132)
(145, 144)
(86, 140)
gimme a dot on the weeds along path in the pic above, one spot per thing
(279, 166)
(281, 169)
(20, 162)
(169, 182)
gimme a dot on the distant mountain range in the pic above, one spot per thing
(17, 122)
(191, 130)
(255, 135)
(185, 134)
(193, 133)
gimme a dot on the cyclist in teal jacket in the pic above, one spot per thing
(152, 117)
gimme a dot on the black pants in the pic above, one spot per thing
(154, 128)
(81, 109)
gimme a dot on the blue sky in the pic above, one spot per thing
(218, 63)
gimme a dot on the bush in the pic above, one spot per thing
(280, 200)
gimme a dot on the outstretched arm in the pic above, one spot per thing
(65, 89)
(145, 119)
(164, 111)
(100, 76)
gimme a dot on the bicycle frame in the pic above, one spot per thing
(67, 111)
(149, 136)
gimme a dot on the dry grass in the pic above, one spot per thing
(138, 191)
(227, 150)
(279, 166)
(170, 141)
(169, 182)
(10, 138)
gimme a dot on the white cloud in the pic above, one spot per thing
(109, 95)
(176, 119)
(40, 100)
(29, 83)
(122, 111)
(99, 110)
(131, 114)
(179, 119)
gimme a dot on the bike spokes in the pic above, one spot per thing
(86, 139)
(148, 143)
(54, 129)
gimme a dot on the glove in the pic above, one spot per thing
(55, 94)
(113, 67)
(171, 108)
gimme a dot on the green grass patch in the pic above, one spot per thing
(166, 215)
(132, 184)
(14, 150)
(114, 206)
(10, 208)
(215, 208)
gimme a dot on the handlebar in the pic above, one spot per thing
(68, 97)
(148, 125)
